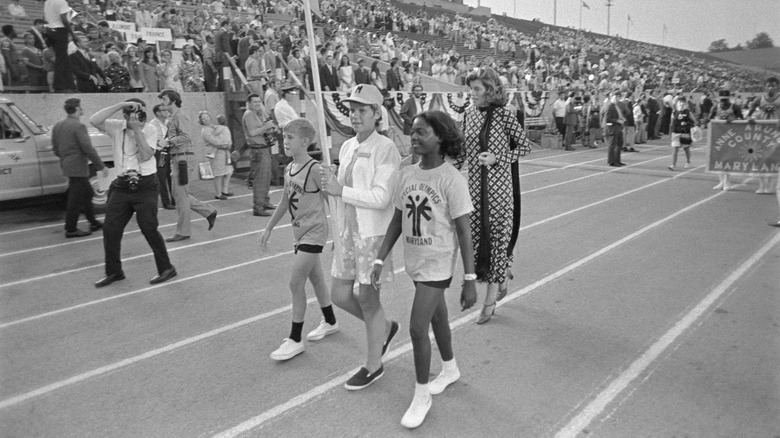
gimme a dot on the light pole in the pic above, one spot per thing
(609, 5)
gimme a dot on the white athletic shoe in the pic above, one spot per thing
(324, 329)
(288, 350)
(687, 166)
(417, 411)
(443, 380)
(719, 187)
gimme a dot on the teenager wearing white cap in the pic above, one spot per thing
(364, 188)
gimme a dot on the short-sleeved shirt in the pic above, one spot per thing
(306, 206)
(52, 10)
(430, 200)
(126, 156)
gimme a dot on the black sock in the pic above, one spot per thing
(327, 312)
(295, 331)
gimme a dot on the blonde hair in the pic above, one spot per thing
(303, 128)
(200, 116)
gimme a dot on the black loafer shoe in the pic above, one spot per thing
(262, 213)
(228, 194)
(96, 226)
(77, 233)
(270, 207)
(211, 218)
(164, 276)
(108, 279)
(177, 238)
(170, 207)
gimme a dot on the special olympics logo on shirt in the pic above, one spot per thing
(417, 211)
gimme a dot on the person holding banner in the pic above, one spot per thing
(364, 190)
(769, 106)
(727, 111)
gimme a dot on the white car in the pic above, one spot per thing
(28, 166)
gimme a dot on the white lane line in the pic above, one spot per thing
(91, 239)
(522, 228)
(278, 410)
(177, 248)
(59, 224)
(148, 355)
(597, 406)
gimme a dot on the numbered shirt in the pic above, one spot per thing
(430, 200)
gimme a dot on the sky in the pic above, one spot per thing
(691, 24)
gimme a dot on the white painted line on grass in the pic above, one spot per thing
(278, 410)
(597, 406)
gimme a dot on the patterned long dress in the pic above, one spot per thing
(503, 129)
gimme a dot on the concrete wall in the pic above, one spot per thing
(47, 110)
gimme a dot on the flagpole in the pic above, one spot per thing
(315, 75)
(581, 14)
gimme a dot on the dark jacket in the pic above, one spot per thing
(83, 68)
(329, 78)
(71, 143)
(362, 76)
(222, 45)
(392, 79)
(408, 111)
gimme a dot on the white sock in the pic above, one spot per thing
(448, 366)
(421, 390)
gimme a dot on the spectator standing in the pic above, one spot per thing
(161, 155)
(222, 49)
(132, 63)
(56, 14)
(346, 74)
(218, 142)
(409, 110)
(653, 111)
(89, 76)
(393, 76)
(180, 151)
(210, 68)
(376, 76)
(150, 75)
(15, 67)
(37, 29)
(70, 142)
(329, 76)
(362, 73)
(613, 126)
(32, 57)
(559, 112)
(170, 77)
(680, 127)
(191, 70)
(255, 75)
(570, 123)
(259, 131)
(48, 65)
(591, 125)
(117, 74)
(133, 191)
(629, 129)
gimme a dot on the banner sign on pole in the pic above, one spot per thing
(742, 147)
(132, 37)
(156, 34)
(121, 26)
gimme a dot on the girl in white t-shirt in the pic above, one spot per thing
(432, 206)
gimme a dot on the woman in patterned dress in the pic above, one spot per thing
(191, 70)
(494, 142)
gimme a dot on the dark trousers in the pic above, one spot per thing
(561, 127)
(261, 178)
(614, 143)
(122, 203)
(63, 75)
(79, 200)
(164, 178)
(652, 119)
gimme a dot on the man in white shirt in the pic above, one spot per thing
(160, 124)
(57, 14)
(134, 190)
(559, 112)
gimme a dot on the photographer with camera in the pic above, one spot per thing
(260, 133)
(134, 190)
(181, 155)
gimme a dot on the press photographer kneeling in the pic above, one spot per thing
(134, 190)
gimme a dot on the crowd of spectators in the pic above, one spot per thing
(552, 59)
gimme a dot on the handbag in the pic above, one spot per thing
(697, 134)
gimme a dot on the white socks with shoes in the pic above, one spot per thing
(421, 404)
(449, 374)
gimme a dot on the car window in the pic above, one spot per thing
(8, 127)
(34, 127)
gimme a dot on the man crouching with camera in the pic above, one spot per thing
(134, 190)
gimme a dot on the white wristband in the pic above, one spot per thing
(379, 262)
(469, 277)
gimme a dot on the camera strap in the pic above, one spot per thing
(129, 161)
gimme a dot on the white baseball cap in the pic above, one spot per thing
(366, 94)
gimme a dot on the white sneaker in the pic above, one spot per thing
(719, 187)
(687, 166)
(288, 350)
(417, 411)
(442, 381)
(324, 329)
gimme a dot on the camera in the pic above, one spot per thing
(141, 114)
(133, 178)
